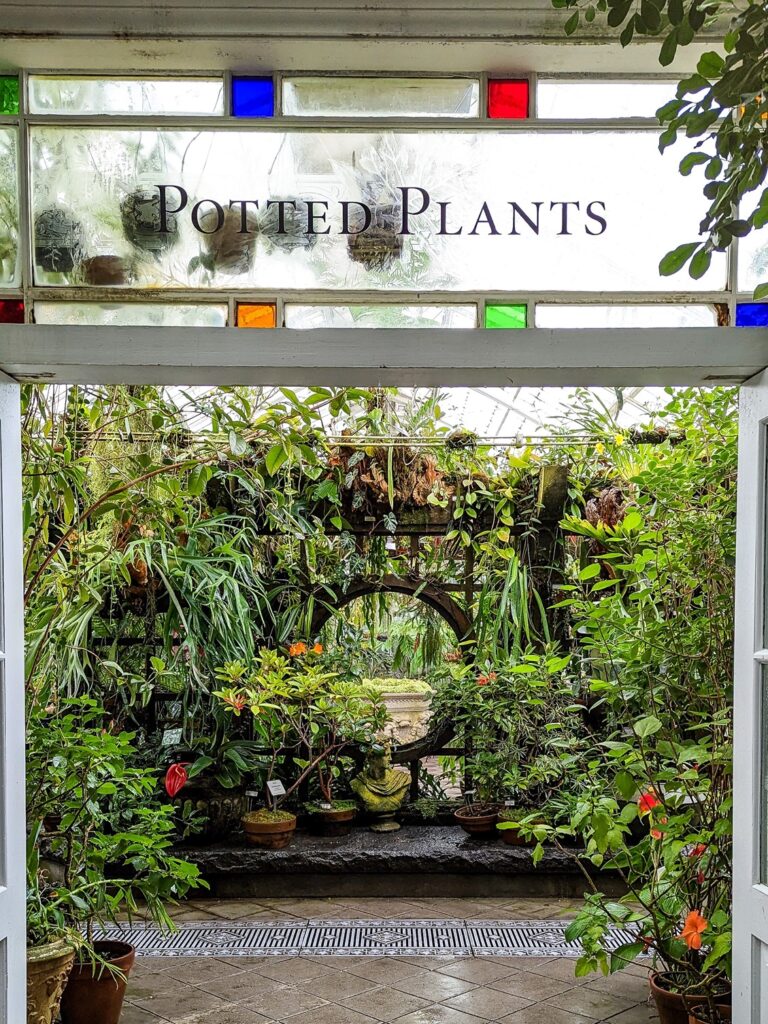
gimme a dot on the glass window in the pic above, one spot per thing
(264, 315)
(342, 96)
(253, 97)
(566, 100)
(626, 316)
(11, 311)
(506, 316)
(130, 314)
(508, 97)
(172, 205)
(96, 95)
(753, 257)
(384, 315)
(752, 314)
(9, 95)
(9, 209)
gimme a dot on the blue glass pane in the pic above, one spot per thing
(752, 314)
(253, 97)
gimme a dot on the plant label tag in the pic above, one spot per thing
(276, 788)
(509, 803)
(326, 807)
(171, 737)
(254, 794)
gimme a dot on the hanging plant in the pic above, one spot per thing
(105, 271)
(381, 244)
(140, 216)
(58, 240)
(230, 249)
(292, 232)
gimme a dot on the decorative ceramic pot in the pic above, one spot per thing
(267, 833)
(409, 714)
(48, 968)
(672, 1007)
(478, 819)
(221, 808)
(94, 995)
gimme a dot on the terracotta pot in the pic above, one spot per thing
(269, 835)
(671, 1006)
(105, 270)
(512, 837)
(48, 968)
(477, 821)
(333, 822)
(699, 1016)
(93, 994)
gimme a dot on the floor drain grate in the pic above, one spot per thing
(359, 938)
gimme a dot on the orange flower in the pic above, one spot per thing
(297, 649)
(317, 649)
(694, 925)
(236, 701)
(656, 833)
(647, 802)
(492, 676)
(482, 680)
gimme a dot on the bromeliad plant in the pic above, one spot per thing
(306, 717)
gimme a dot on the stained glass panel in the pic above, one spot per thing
(11, 311)
(9, 208)
(253, 97)
(256, 315)
(85, 94)
(130, 314)
(384, 315)
(506, 316)
(508, 97)
(342, 96)
(583, 100)
(657, 315)
(463, 223)
(752, 314)
(9, 95)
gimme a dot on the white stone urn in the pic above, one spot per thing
(409, 714)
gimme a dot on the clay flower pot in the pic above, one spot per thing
(478, 819)
(673, 1008)
(94, 995)
(105, 271)
(48, 968)
(511, 836)
(333, 820)
(270, 830)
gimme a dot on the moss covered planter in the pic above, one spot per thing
(334, 819)
(270, 830)
(48, 968)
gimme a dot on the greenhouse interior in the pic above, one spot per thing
(383, 504)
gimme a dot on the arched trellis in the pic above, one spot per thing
(330, 599)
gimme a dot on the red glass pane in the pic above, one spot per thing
(11, 311)
(508, 97)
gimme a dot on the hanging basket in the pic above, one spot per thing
(140, 216)
(230, 250)
(380, 245)
(295, 223)
(58, 240)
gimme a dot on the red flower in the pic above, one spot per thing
(482, 680)
(492, 676)
(175, 778)
(698, 850)
(694, 925)
(236, 701)
(647, 802)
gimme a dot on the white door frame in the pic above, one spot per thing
(407, 358)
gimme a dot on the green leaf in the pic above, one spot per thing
(197, 480)
(710, 65)
(572, 24)
(700, 264)
(625, 955)
(677, 259)
(761, 292)
(647, 726)
(275, 458)
(668, 49)
(590, 571)
(691, 160)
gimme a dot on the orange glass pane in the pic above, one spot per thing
(256, 316)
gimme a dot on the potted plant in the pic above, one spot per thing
(305, 717)
(110, 847)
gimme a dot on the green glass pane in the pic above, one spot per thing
(506, 316)
(9, 95)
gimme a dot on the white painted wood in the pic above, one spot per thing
(12, 815)
(750, 898)
(405, 357)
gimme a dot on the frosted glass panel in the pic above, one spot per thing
(566, 100)
(96, 193)
(133, 314)
(626, 316)
(9, 209)
(385, 315)
(753, 256)
(92, 95)
(381, 97)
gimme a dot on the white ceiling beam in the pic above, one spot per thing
(403, 357)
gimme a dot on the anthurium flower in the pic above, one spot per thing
(694, 925)
(175, 778)
(647, 802)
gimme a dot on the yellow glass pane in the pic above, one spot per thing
(256, 316)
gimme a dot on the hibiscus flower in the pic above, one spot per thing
(694, 925)
(647, 802)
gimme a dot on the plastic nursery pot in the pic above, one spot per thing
(270, 830)
(48, 968)
(94, 994)
(478, 819)
(336, 820)
(673, 1008)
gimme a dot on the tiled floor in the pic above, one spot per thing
(370, 990)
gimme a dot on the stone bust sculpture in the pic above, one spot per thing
(381, 788)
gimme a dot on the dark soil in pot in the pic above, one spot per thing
(478, 819)
(58, 240)
(672, 1007)
(94, 995)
